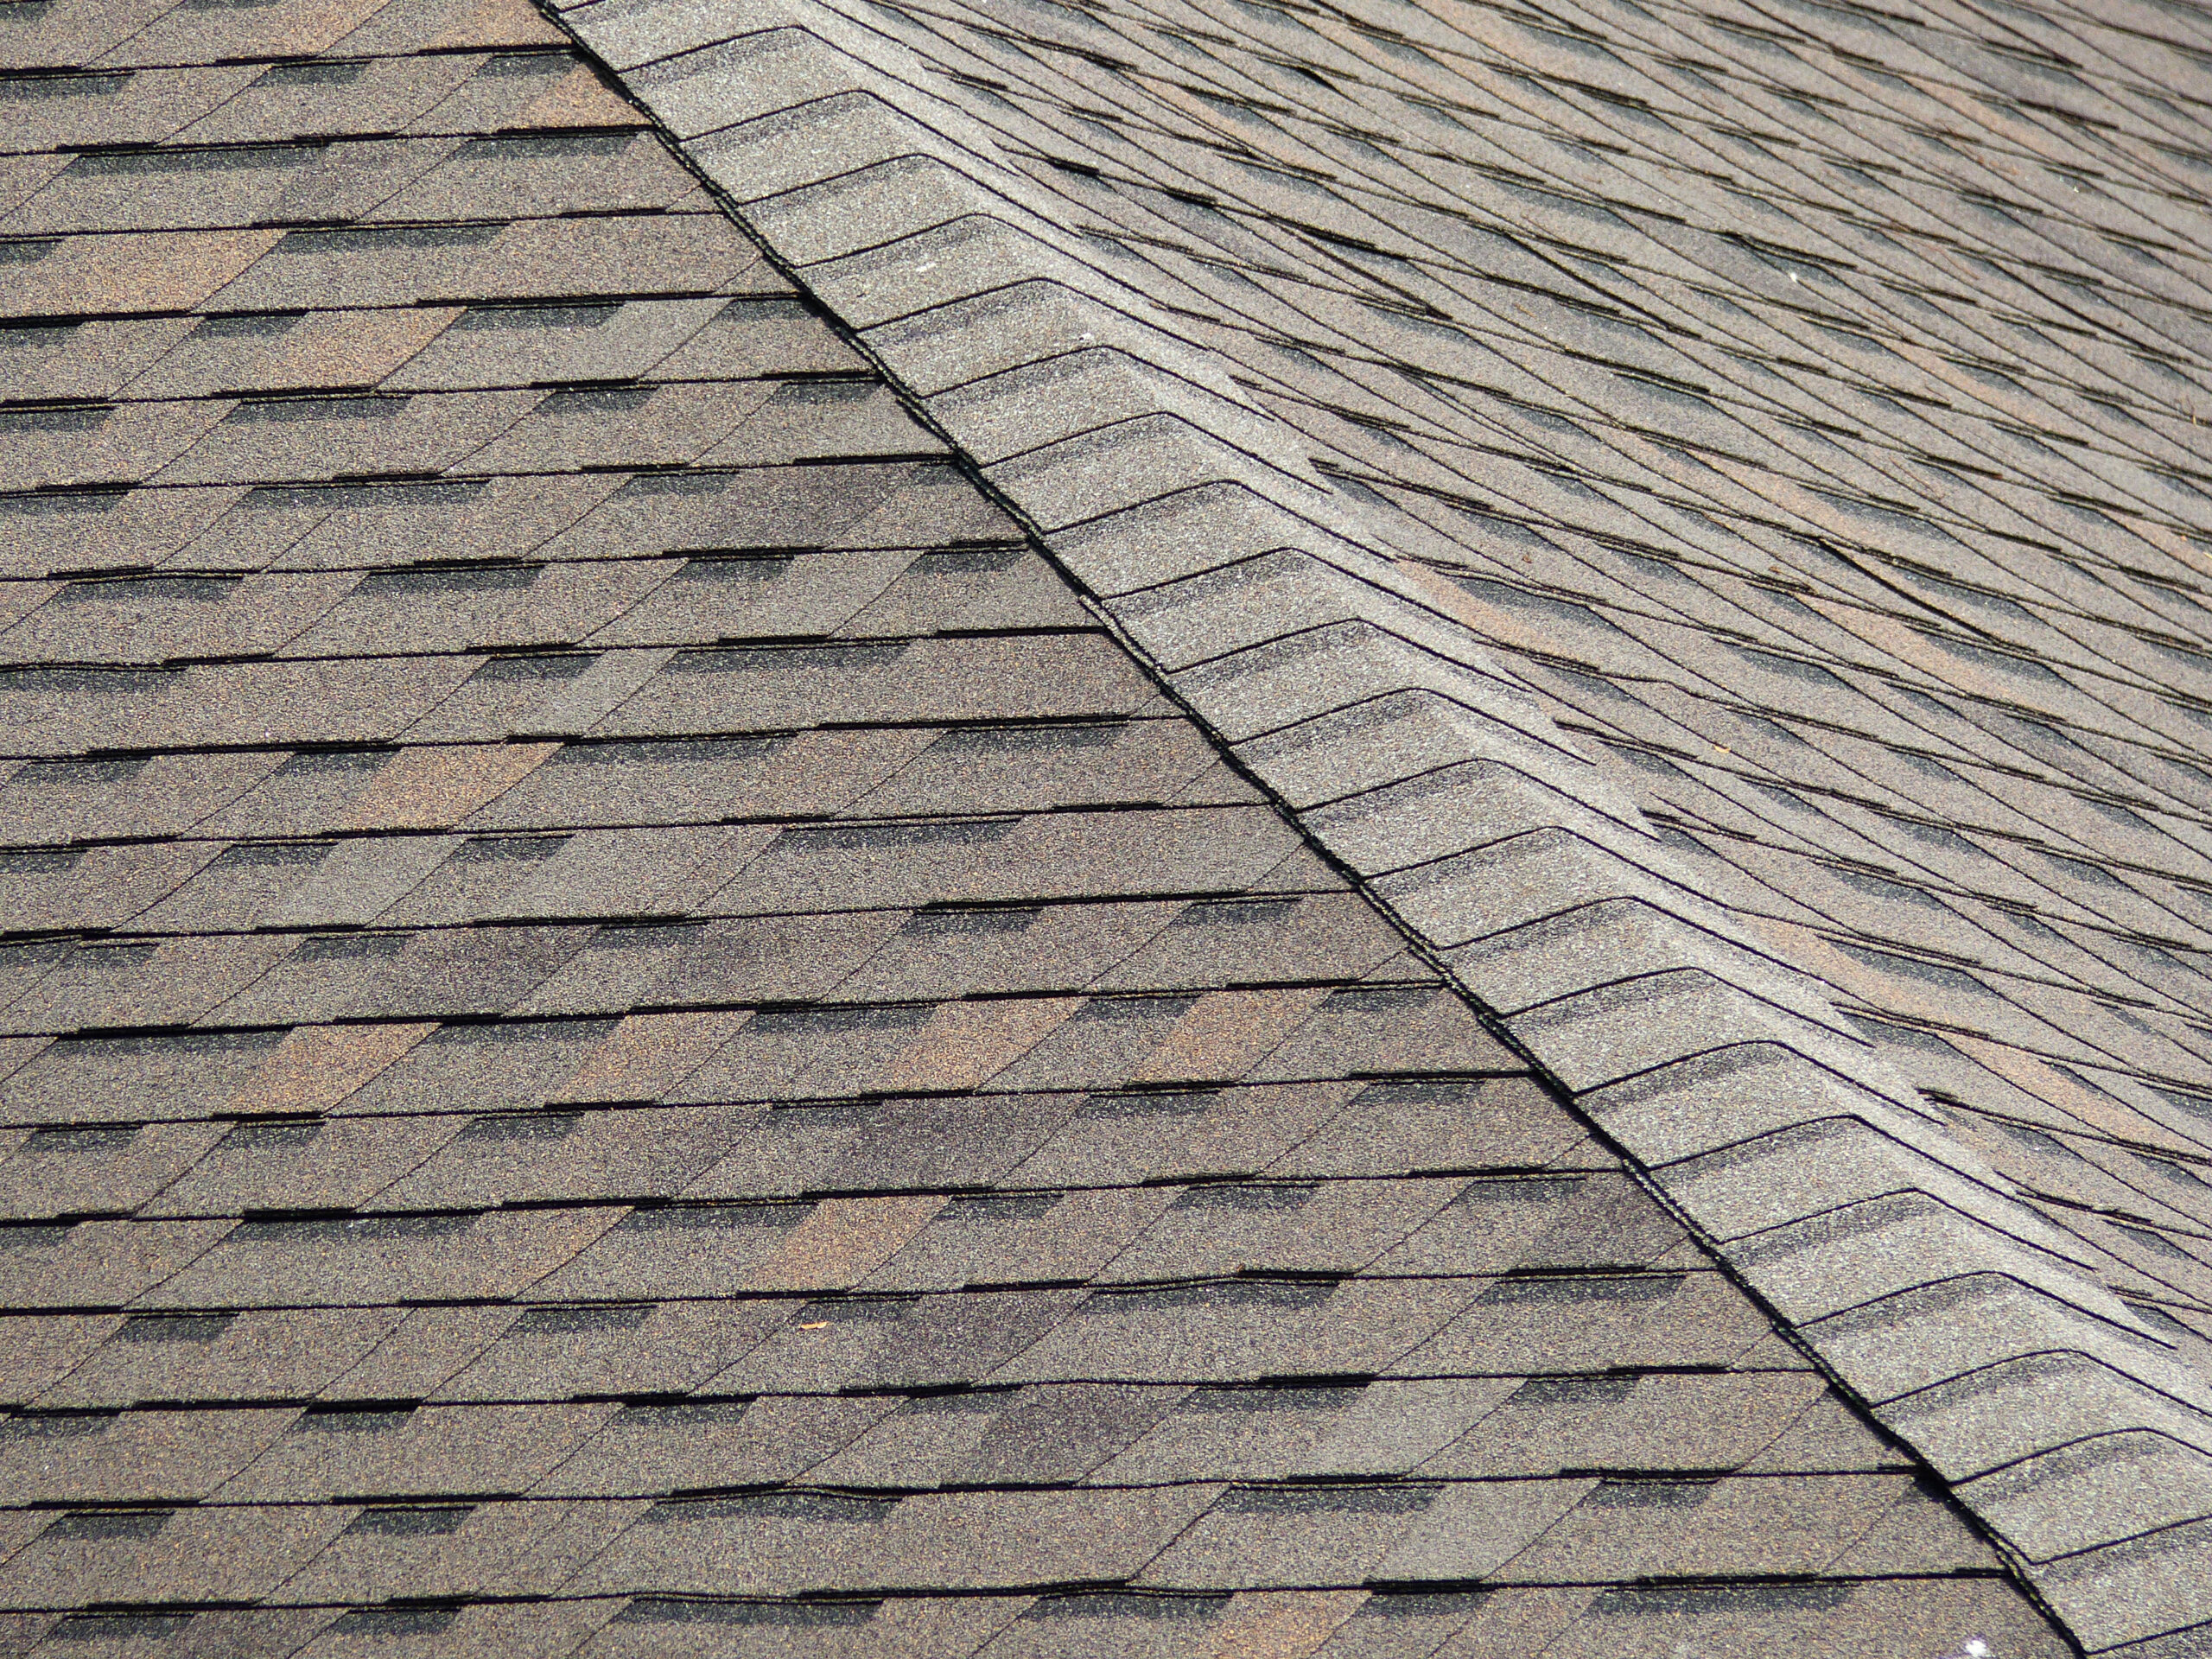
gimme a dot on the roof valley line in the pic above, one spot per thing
(1351, 682)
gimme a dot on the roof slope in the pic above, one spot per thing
(629, 1029)
(1703, 509)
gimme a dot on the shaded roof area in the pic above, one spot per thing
(1702, 507)
(629, 1029)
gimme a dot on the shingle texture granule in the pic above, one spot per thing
(1320, 832)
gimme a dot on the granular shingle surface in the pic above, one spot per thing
(1698, 508)
(1006, 830)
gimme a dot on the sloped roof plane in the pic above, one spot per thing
(986, 830)
(1717, 569)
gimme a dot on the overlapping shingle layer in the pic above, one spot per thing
(627, 1030)
(1702, 508)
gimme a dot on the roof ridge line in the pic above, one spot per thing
(1762, 1123)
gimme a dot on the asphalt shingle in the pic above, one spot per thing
(635, 1024)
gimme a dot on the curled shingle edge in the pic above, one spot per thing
(1351, 684)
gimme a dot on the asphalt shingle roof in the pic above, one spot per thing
(998, 829)
(1694, 507)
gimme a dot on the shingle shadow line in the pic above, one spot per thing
(338, 235)
(2061, 1446)
(1299, 1484)
(914, 150)
(1618, 1586)
(52, 936)
(1104, 432)
(1863, 1013)
(1400, 871)
(720, 42)
(695, 919)
(1891, 809)
(2027, 1358)
(69, 1219)
(1536, 521)
(806, 1197)
(1412, 778)
(593, 296)
(647, 381)
(308, 143)
(1183, 1086)
(764, 734)
(496, 652)
(1719, 1150)
(321, 138)
(392, 1500)
(1905, 1189)
(902, 460)
(807, 1102)
(338, 481)
(2186, 1227)
(2148, 1536)
(338, 485)
(1013, 902)
(1119, 1588)
(290, 392)
(1193, 1085)
(1041, 992)
(857, 1594)
(1738, 1046)
(1811, 1328)
(152, 313)
(1209, 1182)
(705, 1496)
(1288, 640)
(321, 1405)
(95, 1611)
(818, 1297)
(860, 1102)
(2080, 1131)
(1842, 1032)
(521, 49)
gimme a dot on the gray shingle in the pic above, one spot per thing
(556, 1350)
(1625, 1319)
(211, 1553)
(885, 1342)
(434, 1450)
(782, 1543)
(1236, 1331)
(136, 1456)
(367, 1260)
(1869, 1620)
(1653, 1423)
(1315, 1535)
(531, 259)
